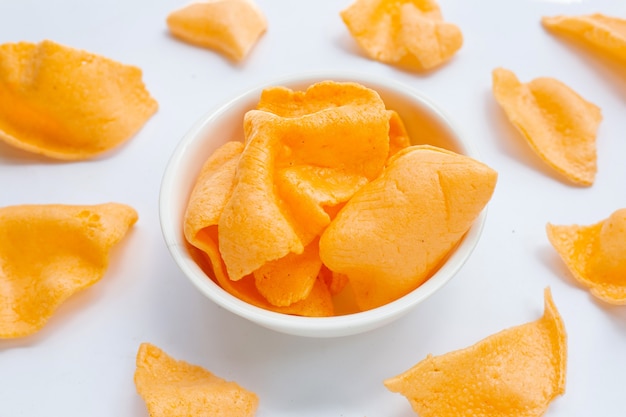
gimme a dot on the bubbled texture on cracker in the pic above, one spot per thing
(50, 252)
(514, 373)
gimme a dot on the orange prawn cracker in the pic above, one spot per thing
(231, 27)
(50, 252)
(395, 231)
(208, 198)
(408, 33)
(558, 124)
(595, 255)
(66, 103)
(171, 387)
(300, 158)
(604, 34)
(312, 208)
(516, 372)
(290, 279)
(398, 135)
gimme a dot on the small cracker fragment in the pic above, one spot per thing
(50, 252)
(173, 387)
(66, 103)
(557, 123)
(290, 279)
(318, 303)
(408, 33)
(604, 34)
(516, 372)
(394, 232)
(231, 27)
(398, 135)
(595, 255)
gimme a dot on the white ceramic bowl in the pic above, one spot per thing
(424, 122)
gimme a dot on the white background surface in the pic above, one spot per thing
(82, 362)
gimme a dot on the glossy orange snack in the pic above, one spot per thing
(595, 255)
(50, 252)
(173, 387)
(605, 34)
(557, 123)
(408, 33)
(516, 372)
(231, 27)
(396, 230)
(66, 103)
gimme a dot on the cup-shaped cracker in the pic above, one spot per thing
(66, 103)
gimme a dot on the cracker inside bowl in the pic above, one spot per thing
(424, 124)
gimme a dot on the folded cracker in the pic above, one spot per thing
(409, 33)
(516, 372)
(595, 255)
(50, 252)
(604, 34)
(212, 190)
(171, 387)
(231, 27)
(558, 124)
(66, 103)
(394, 232)
(318, 159)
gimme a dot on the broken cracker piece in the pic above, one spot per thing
(172, 387)
(50, 252)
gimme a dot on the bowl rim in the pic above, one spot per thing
(297, 325)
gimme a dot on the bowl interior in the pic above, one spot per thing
(425, 124)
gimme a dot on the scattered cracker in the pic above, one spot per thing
(66, 103)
